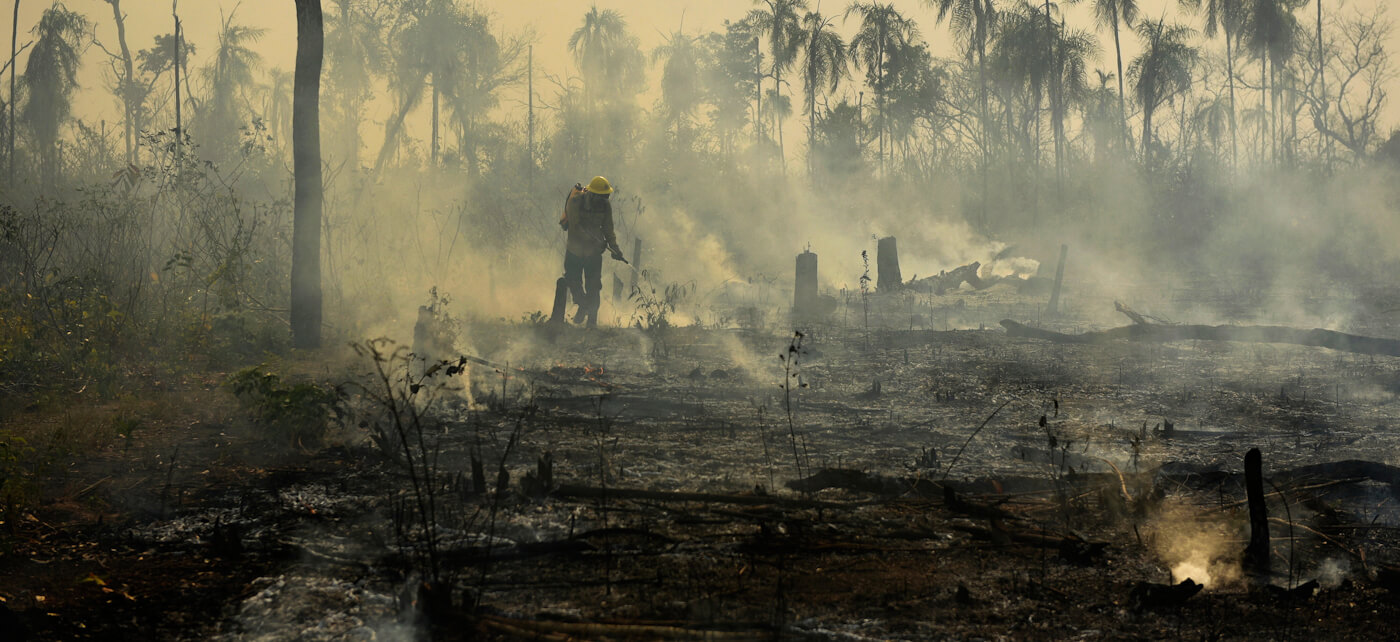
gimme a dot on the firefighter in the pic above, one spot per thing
(589, 222)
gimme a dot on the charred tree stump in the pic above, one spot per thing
(478, 476)
(1054, 307)
(804, 296)
(887, 265)
(561, 301)
(636, 262)
(1256, 554)
(617, 288)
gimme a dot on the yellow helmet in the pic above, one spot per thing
(599, 185)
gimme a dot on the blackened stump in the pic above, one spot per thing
(887, 265)
(1054, 307)
(804, 296)
(1256, 554)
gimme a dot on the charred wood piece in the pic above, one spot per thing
(1303, 591)
(573, 491)
(863, 482)
(1340, 341)
(542, 630)
(1147, 595)
(1256, 554)
(952, 502)
(944, 281)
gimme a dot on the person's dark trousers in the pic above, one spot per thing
(584, 276)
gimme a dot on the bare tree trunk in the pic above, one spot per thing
(1147, 134)
(306, 154)
(14, 37)
(758, 93)
(126, 83)
(986, 137)
(435, 120)
(778, 93)
(1325, 143)
(1230, 69)
(391, 132)
(176, 63)
(1122, 100)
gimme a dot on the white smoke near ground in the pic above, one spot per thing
(1195, 547)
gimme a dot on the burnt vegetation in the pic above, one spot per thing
(1083, 316)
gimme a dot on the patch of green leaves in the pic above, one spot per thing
(300, 414)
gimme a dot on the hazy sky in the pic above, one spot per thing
(551, 22)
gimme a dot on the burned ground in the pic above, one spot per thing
(670, 508)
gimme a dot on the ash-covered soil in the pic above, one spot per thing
(975, 486)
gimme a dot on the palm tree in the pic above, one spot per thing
(1270, 33)
(1110, 14)
(227, 77)
(1226, 16)
(50, 76)
(408, 76)
(681, 88)
(881, 27)
(973, 22)
(823, 66)
(354, 52)
(781, 24)
(428, 42)
(276, 109)
(779, 108)
(1097, 112)
(1072, 51)
(608, 60)
(1161, 71)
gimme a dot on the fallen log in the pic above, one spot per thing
(1068, 547)
(593, 492)
(944, 281)
(863, 482)
(1330, 339)
(544, 630)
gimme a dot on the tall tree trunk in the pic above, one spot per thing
(1230, 71)
(391, 130)
(811, 125)
(306, 155)
(1147, 134)
(1273, 112)
(1264, 132)
(127, 83)
(179, 131)
(986, 137)
(880, 95)
(1122, 100)
(778, 93)
(758, 93)
(14, 37)
(1325, 145)
(435, 119)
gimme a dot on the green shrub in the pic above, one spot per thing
(300, 414)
